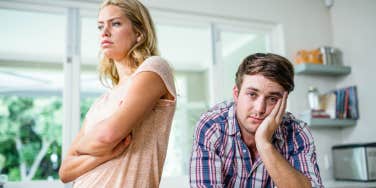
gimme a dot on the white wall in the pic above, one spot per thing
(306, 22)
(354, 31)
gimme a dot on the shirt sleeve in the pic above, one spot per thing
(304, 156)
(205, 163)
(161, 67)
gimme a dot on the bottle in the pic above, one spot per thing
(313, 98)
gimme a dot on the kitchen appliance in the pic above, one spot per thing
(355, 162)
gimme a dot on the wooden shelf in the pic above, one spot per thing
(317, 69)
(324, 122)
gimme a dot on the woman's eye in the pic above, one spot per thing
(100, 27)
(116, 24)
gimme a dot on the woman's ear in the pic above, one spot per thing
(139, 38)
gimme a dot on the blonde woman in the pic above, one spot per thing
(124, 137)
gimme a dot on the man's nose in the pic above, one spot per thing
(260, 105)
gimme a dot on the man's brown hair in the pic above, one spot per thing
(274, 67)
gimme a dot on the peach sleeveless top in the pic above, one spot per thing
(141, 163)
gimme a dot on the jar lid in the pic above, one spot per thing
(312, 88)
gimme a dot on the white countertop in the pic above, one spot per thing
(348, 184)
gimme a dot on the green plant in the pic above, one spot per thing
(31, 136)
(30, 126)
(2, 162)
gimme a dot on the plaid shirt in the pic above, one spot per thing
(220, 158)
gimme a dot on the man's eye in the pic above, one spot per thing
(252, 94)
(100, 27)
(273, 99)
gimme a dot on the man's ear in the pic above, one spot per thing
(235, 93)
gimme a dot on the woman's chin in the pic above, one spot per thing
(113, 56)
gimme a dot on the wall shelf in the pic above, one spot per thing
(327, 123)
(317, 69)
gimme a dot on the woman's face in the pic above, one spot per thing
(117, 36)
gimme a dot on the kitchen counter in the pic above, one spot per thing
(349, 184)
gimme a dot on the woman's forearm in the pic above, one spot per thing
(109, 132)
(94, 144)
(76, 165)
(99, 142)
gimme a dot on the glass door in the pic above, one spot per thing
(231, 47)
(187, 49)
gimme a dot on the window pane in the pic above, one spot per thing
(190, 60)
(235, 46)
(186, 48)
(31, 82)
(89, 41)
(91, 88)
(32, 35)
(30, 123)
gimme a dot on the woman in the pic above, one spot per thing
(123, 140)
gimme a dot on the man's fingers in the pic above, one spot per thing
(282, 109)
(275, 109)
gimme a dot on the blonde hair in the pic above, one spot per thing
(143, 25)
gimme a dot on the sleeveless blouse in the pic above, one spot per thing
(142, 162)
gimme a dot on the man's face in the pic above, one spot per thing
(255, 100)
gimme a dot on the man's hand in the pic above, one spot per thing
(267, 128)
(280, 170)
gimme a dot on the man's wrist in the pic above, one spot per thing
(263, 144)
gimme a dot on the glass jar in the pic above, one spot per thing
(313, 98)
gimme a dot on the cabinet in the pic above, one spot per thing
(327, 70)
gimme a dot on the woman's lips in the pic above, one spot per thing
(106, 43)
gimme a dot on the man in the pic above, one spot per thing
(253, 142)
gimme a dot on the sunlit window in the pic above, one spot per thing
(30, 94)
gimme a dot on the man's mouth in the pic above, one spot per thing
(256, 119)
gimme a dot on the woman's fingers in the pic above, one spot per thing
(127, 140)
(119, 149)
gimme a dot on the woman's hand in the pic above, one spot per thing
(118, 150)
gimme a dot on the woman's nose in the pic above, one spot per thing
(105, 32)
